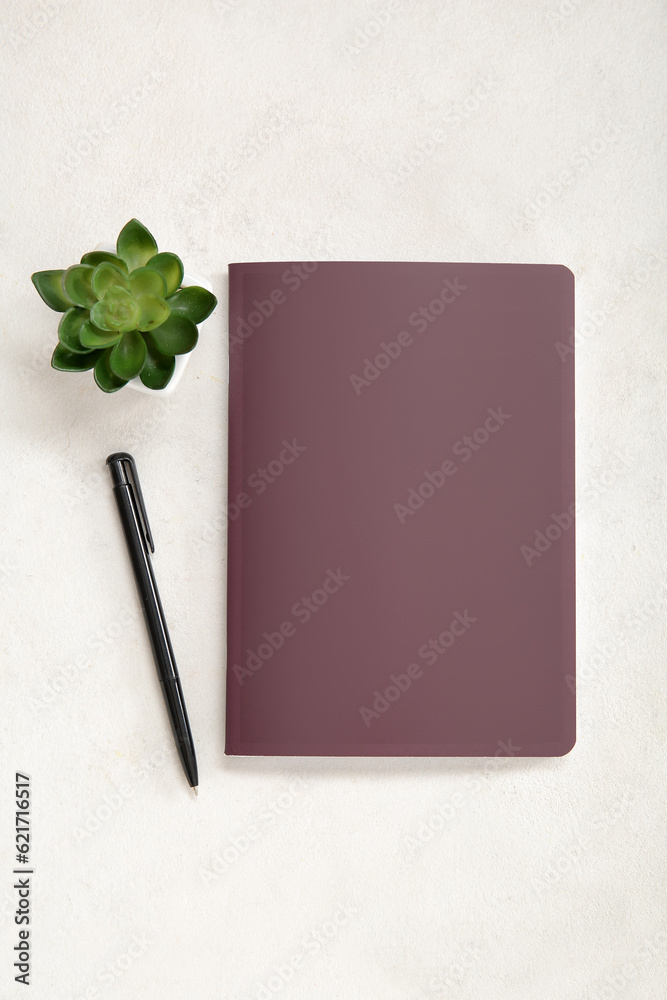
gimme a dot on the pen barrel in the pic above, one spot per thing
(146, 586)
(180, 726)
(163, 653)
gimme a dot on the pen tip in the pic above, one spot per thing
(194, 789)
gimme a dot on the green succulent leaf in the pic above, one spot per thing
(68, 361)
(146, 281)
(49, 285)
(98, 315)
(194, 302)
(106, 379)
(154, 312)
(135, 244)
(158, 368)
(118, 310)
(107, 276)
(90, 336)
(177, 335)
(69, 330)
(77, 285)
(96, 257)
(127, 357)
(170, 267)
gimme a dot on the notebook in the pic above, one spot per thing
(401, 541)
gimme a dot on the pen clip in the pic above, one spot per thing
(124, 473)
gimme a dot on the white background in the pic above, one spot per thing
(248, 130)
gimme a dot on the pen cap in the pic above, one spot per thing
(118, 467)
(123, 472)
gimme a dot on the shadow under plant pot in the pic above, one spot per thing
(181, 360)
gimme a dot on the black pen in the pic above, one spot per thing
(139, 540)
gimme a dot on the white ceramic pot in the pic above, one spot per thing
(181, 360)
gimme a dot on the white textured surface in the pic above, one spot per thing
(245, 130)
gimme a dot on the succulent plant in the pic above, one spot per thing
(124, 314)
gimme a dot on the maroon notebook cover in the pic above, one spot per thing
(401, 559)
